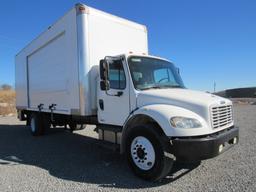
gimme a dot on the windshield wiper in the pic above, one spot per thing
(175, 86)
(151, 87)
(161, 86)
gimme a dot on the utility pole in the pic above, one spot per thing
(214, 87)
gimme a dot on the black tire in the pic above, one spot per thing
(74, 126)
(163, 158)
(36, 124)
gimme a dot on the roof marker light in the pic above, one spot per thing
(81, 9)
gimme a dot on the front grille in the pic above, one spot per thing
(222, 116)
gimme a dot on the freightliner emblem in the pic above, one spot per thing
(222, 102)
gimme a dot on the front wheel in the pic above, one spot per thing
(148, 153)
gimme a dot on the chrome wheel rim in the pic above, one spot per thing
(143, 153)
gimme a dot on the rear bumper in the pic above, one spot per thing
(204, 147)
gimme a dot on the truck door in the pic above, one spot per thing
(113, 104)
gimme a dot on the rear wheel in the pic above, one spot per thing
(148, 153)
(36, 124)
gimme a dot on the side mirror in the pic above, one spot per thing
(104, 75)
(104, 70)
(104, 85)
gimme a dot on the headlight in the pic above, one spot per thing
(184, 122)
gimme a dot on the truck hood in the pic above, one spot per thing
(196, 101)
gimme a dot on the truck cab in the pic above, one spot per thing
(146, 92)
(125, 80)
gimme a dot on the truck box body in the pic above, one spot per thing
(61, 65)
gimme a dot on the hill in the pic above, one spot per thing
(7, 102)
(248, 92)
(240, 95)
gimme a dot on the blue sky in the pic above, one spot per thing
(209, 40)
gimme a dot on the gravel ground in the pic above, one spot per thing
(61, 161)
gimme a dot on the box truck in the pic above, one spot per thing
(91, 67)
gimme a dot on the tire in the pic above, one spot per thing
(36, 124)
(74, 126)
(148, 153)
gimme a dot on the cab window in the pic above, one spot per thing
(116, 75)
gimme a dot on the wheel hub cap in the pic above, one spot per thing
(143, 153)
(140, 153)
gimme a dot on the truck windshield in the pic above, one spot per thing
(151, 73)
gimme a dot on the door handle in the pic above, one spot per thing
(119, 93)
(101, 104)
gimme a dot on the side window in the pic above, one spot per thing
(116, 75)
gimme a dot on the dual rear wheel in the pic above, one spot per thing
(40, 122)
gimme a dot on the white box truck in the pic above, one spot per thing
(91, 67)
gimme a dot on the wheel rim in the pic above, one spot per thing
(143, 153)
(33, 125)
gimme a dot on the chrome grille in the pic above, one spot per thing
(222, 116)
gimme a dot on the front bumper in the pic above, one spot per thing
(204, 147)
